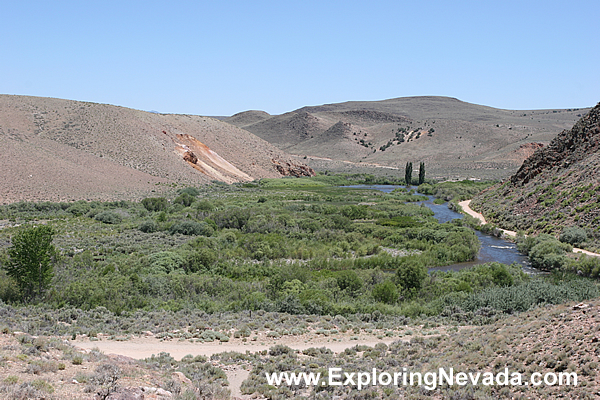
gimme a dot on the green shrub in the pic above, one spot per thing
(410, 273)
(385, 292)
(523, 297)
(184, 199)
(164, 262)
(9, 291)
(235, 218)
(200, 260)
(586, 266)
(109, 217)
(573, 235)
(79, 208)
(548, 253)
(204, 205)
(192, 228)
(148, 226)
(192, 191)
(348, 280)
(155, 204)
(290, 304)
(31, 260)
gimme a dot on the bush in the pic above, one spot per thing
(291, 305)
(184, 199)
(411, 273)
(548, 253)
(9, 291)
(192, 191)
(79, 208)
(200, 260)
(192, 228)
(573, 235)
(104, 380)
(525, 296)
(164, 262)
(204, 206)
(385, 292)
(109, 217)
(155, 204)
(148, 226)
(348, 280)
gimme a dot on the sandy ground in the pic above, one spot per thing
(142, 347)
(465, 206)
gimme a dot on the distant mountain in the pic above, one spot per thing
(556, 187)
(454, 138)
(52, 149)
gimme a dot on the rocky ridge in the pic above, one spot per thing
(566, 149)
(555, 188)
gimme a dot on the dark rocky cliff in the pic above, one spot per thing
(568, 148)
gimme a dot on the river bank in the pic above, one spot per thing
(468, 210)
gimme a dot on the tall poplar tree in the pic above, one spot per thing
(408, 173)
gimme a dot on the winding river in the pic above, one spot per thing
(492, 248)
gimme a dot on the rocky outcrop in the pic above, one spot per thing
(190, 157)
(569, 147)
(304, 123)
(530, 147)
(340, 129)
(292, 169)
(371, 115)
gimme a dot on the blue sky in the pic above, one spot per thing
(223, 57)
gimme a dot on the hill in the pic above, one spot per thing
(556, 187)
(454, 138)
(57, 150)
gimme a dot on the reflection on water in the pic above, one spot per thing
(492, 248)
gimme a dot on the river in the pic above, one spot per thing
(492, 248)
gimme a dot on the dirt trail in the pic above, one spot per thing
(467, 209)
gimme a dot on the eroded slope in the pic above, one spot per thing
(56, 149)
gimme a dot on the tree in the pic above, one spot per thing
(408, 173)
(385, 292)
(410, 273)
(348, 280)
(31, 258)
(421, 172)
(155, 203)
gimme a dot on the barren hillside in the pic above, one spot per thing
(56, 149)
(454, 138)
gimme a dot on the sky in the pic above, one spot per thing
(222, 57)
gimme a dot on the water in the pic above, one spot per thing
(492, 248)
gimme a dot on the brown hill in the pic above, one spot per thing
(56, 149)
(454, 138)
(247, 118)
(556, 187)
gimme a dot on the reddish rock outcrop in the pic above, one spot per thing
(291, 169)
(190, 157)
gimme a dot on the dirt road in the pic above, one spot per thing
(467, 209)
